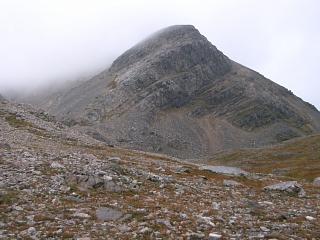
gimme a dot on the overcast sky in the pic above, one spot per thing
(44, 41)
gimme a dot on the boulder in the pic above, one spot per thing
(81, 215)
(92, 181)
(292, 187)
(316, 182)
(196, 236)
(56, 165)
(234, 171)
(108, 214)
(214, 236)
(231, 183)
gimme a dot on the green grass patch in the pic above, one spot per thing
(8, 197)
(16, 122)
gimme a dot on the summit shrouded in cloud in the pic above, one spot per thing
(49, 42)
(176, 93)
(159, 119)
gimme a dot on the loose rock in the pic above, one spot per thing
(316, 182)
(214, 236)
(108, 214)
(289, 187)
(234, 171)
(231, 183)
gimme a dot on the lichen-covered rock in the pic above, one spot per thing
(225, 170)
(108, 214)
(92, 181)
(292, 187)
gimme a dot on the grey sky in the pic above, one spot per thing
(44, 41)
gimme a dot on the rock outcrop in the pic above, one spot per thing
(176, 93)
(292, 187)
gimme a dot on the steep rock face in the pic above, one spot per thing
(177, 93)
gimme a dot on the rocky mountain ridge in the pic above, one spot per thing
(176, 93)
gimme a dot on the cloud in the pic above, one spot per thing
(47, 42)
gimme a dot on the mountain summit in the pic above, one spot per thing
(178, 94)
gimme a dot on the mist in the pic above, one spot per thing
(50, 43)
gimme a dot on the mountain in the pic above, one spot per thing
(176, 93)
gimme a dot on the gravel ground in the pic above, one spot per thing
(56, 183)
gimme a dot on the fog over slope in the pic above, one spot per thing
(50, 42)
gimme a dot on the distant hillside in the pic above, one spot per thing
(298, 158)
(46, 95)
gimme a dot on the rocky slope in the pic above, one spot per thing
(176, 93)
(2, 98)
(56, 183)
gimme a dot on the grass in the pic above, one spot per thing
(17, 122)
(113, 84)
(298, 158)
(9, 197)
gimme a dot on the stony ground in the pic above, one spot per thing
(58, 184)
